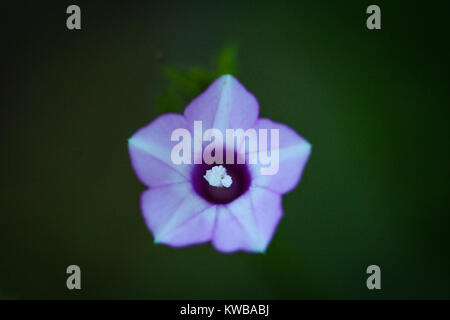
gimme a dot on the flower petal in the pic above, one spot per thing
(150, 152)
(195, 229)
(248, 223)
(177, 216)
(225, 104)
(294, 152)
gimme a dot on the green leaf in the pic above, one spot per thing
(201, 76)
(185, 84)
(181, 80)
(227, 60)
(169, 101)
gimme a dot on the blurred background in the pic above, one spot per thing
(374, 105)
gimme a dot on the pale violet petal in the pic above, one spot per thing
(176, 215)
(293, 151)
(150, 152)
(225, 104)
(249, 222)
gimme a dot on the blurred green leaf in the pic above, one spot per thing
(201, 76)
(190, 83)
(185, 85)
(169, 101)
(227, 60)
(181, 80)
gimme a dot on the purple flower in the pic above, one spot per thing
(234, 206)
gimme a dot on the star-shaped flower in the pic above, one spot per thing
(235, 206)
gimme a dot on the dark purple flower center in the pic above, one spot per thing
(239, 174)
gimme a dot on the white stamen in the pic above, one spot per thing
(217, 177)
(226, 181)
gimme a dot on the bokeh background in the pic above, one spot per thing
(374, 104)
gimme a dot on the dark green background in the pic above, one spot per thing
(374, 105)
